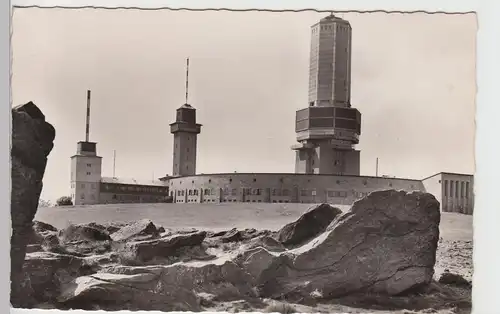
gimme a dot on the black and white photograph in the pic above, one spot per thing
(251, 161)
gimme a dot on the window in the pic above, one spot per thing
(451, 188)
(92, 185)
(82, 196)
(92, 196)
(190, 192)
(446, 188)
(286, 192)
(456, 189)
(207, 192)
(462, 188)
(303, 192)
(187, 149)
(178, 193)
(257, 192)
(230, 180)
(254, 180)
(466, 189)
(89, 165)
(82, 185)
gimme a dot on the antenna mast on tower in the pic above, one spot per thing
(187, 79)
(114, 163)
(87, 122)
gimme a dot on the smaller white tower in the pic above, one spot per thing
(86, 169)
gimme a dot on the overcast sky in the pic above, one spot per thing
(413, 80)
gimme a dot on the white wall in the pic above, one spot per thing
(85, 178)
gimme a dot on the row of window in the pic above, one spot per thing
(136, 198)
(82, 196)
(328, 27)
(274, 192)
(134, 188)
(457, 189)
(82, 185)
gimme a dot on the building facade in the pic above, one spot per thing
(281, 188)
(454, 191)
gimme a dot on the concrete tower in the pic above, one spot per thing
(185, 131)
(329, 128)
(86, 169)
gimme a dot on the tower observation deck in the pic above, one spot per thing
(329, 128)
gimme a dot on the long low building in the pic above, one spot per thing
(280, 188)
(452, 190)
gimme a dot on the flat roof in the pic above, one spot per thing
(449, 173)
(131, 181)
(287, 174)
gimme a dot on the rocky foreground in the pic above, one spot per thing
(380, 255)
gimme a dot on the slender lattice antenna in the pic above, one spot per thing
(87, 119)
(187, 80)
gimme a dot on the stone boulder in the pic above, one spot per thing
(267, 242)
(110, 228)
(385, 244)
(448, 278)
(32, 141)
(313, 222)
(161, 288)
(76, 233)
(142, 229)
(169, 249)
(46, 272)
(39, 232)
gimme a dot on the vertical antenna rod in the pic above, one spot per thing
(376, 168)
(114, 163)
(87, 122)
(187, 79)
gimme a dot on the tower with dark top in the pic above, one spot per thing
(328, 129)
(185, 131)
(86, 168)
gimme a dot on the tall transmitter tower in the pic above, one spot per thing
(329, 128)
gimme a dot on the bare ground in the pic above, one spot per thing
(454, 251)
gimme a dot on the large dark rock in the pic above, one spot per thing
(169, 249)
(45, 272)
(160, 288)
(32, 141)
(385, 244)
(309, 225)
(83, 233)
(142, 229)
(453, 279)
